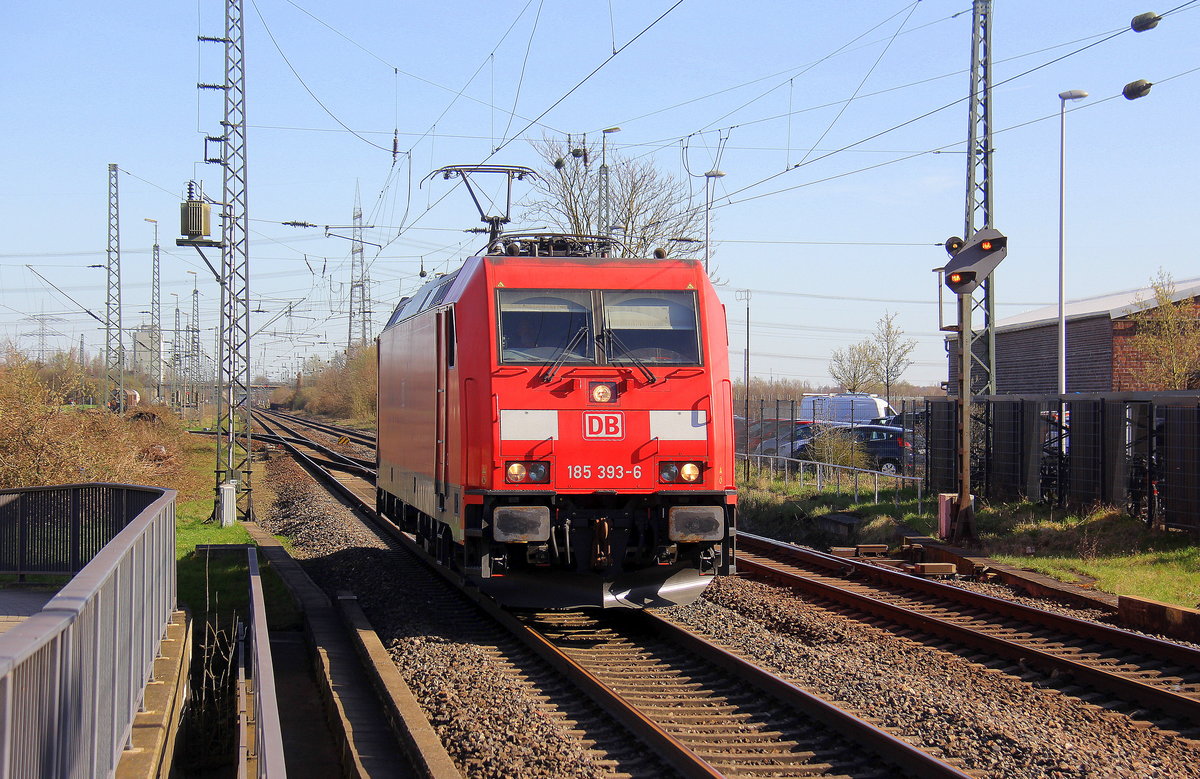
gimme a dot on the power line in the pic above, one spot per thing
(907, 122)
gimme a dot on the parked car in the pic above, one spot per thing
(888, 449)
(763, 429)
(890, 452)
(790, 441)
(910, 420)
(853, 407)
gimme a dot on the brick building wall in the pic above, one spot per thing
(1127, 364)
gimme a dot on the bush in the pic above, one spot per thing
(45, 439)
(345, 390)
(837, 446)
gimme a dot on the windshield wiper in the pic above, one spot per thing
(548, 376)
(641, 366)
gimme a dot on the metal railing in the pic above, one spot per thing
(72, 676)
(268, 733)
(839, 478)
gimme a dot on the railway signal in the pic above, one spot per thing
(970, 263)
(973, 262)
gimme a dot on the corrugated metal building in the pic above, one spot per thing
(1098, 356)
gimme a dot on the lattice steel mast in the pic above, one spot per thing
(234, 441)
(114, 354)
(359, 309)
(177, 364)
(979, 191)
(156, 316)
(194, 361)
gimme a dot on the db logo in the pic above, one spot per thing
(603, 425)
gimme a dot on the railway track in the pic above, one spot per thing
(363, 437)
(1086, 659)
(699, 709)
(710, 713)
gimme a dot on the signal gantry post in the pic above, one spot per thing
(979, 190)
(969, 265)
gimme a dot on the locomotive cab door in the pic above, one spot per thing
(444, 361)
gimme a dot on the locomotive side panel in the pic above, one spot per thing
(407, 412)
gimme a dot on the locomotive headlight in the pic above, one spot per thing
(680, 472)
(527, 472)
(603, 391)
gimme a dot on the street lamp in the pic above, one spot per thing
(1063, 97)
(710, 184)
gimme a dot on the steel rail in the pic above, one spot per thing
(357, 436)
(343, 462)
(665, 746)
(295, 438)
(1107, 634)
(1157, 697)
(315, 468)
(901, 753)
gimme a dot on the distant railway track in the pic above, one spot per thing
(1140, 670)
(352, 477)
(699, 709)
(362, 437)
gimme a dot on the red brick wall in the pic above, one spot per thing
(1128, 363)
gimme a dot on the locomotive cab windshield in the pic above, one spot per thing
(543, 325)
(540, 326)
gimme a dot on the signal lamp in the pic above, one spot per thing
(959, 279)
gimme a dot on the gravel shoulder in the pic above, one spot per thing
(996, 723)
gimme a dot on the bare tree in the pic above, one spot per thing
(854, 367)
(1166, 338)
(649, 208)
(890, 352)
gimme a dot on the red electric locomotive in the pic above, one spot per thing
(556, 425)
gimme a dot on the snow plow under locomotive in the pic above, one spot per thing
(556, 425)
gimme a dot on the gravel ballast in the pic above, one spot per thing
(994, 722)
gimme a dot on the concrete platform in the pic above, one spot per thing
(152, 740)
(16, 605)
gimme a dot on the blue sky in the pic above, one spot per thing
(827, 229)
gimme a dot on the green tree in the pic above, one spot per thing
(1166, 337)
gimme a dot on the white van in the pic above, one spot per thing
(853, 407)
